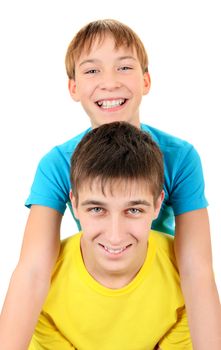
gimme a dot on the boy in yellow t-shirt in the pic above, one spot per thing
(115, 285)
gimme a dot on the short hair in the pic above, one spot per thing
(117, 151)
(121, 33)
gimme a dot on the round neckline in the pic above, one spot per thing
(98, 287)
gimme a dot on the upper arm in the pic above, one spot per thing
(192, 242)
(41, 240)
(194, 256)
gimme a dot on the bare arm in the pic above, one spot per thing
(30, 281)
(194, 257)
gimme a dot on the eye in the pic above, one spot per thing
(92, 71)
(96, 210)
(134, 211)
(124, 68)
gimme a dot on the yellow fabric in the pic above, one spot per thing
(81, 314)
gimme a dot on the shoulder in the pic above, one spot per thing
(177, 152)
(70, 145)
(68, 244)
(165, 140)
(68, 249)
(65, 149)
(164, 244)
(165, 264)
(162, 239)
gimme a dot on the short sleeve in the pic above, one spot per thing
(184, 185)
(178, 337)
(51, 183)
(187, 186)
(183, 179)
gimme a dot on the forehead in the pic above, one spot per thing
(104, 44)
(115, 188)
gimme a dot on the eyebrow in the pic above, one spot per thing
(130, 203)
(139, 202)
(92, 202)
(96, 60)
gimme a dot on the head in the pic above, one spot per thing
(100, 50)
(117, 190)
(96, 31)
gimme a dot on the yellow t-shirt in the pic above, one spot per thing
(79, 313)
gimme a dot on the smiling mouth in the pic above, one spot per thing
(108, 104)
(114, 250)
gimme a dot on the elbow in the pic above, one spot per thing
(33, 274)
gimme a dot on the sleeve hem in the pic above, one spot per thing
(50, 204)
(196, 205)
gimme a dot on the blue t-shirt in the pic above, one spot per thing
(183, 185)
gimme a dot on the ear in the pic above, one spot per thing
(158, 204)
(147, 83)
(72, 87)
(74, 204)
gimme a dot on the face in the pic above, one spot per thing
(109, 83)
(115, 227)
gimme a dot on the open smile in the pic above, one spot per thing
(114, 251)
(111, 104)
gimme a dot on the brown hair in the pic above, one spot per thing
(117, 151)
(122, 34)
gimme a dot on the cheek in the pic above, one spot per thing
(86, 86)
(90, 226)
(85, 224)
(139, 228)
(88, 234)
(136, 83)
(82, 88)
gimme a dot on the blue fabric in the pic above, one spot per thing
(184, 183)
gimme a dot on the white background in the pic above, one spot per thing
(183, 42)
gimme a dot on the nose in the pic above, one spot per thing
(110, 81)
(115, 231)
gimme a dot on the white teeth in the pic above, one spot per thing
(111, 104)
(114, 251)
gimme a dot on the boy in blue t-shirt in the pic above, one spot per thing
(108, 74)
